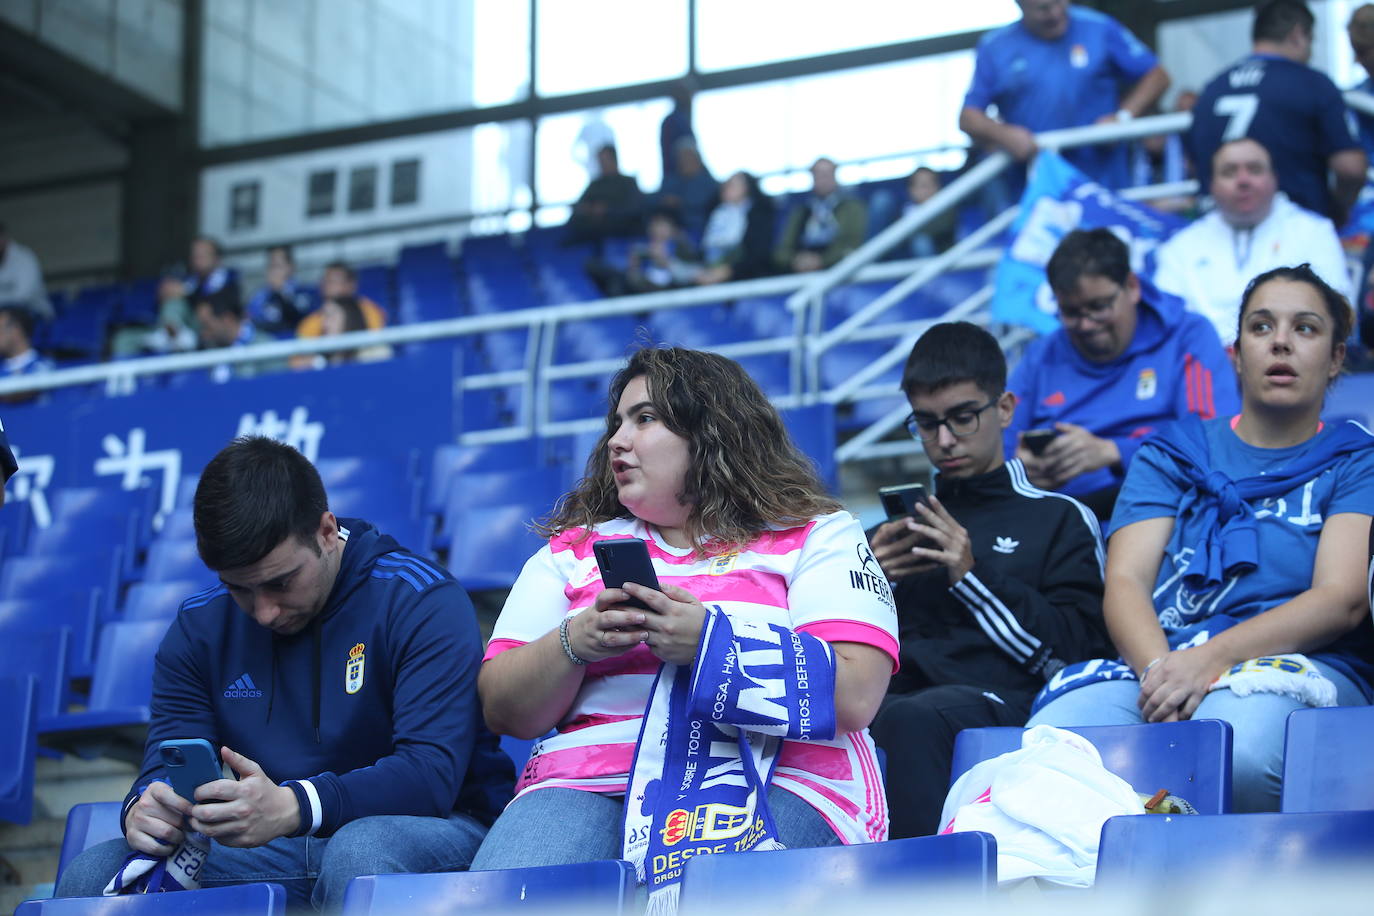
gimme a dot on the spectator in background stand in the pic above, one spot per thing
(676, 126)
(337, 281)
(610, 206)
(344, 315)
(1060, 66)
(737, 243)
(279, 306)
(1361, 31)
(17, 355)
(223, 322)
(21, 277)
(824, 226)
(1297, 113)
(1254, 228)
(176, 330)
(208, 275)
(938, 234)
(689, 190)
(666, 259)
(1127, 360)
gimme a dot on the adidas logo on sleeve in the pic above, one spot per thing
(242, 689)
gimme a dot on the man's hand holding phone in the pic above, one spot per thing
(248, 812)
(153, 826)
(927, 539)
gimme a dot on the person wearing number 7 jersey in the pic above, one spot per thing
(1297, 113)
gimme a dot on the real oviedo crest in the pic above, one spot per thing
(353, 671)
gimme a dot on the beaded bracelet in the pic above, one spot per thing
(567, 645)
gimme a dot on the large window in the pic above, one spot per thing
(566, 145)
(735, 34)
(593, 44)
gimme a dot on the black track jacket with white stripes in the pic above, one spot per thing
(1031, 604)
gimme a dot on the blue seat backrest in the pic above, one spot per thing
(18, 725)
(77, 611)
(490, 544)
(41, 654)
(158, 600)
(235, 900)
(605, 886)
(1352, 396)
(124, 665)
(1326, 759)
(87, 824)
(175, 558)
(41, 577)
(794, 879)
(1191, 759)
(813, 430)
(1144, 849)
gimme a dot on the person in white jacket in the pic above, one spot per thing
(1254, 227)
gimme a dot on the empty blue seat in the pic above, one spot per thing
(490, 544)
(389, 498)
(121, 691)
(794, 879)
(365, 470)
(40, 577)
(1326, 756)
(1141, 850)
(78, 612)
(18, 725)
(452, 459)
(234, 900)
(15, 524)
(88, 824)
(158, 600)
(1191, 759)
(812, 428)
(529, 492)
(607, 886)
(772, 372)
(42, 655)
(1351, 397)
(175, 558)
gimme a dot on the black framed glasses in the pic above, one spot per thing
(1097, 310)
(961, 423)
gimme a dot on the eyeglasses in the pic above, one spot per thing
(1097, 310)
(961, 423)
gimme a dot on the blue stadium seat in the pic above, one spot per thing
(449, 460)
(88, 824)
(79, 612)
(385, 498)
(1326, 756)
(812, 428)
(1191, 759)
(18, 723)
(366, 470)
(121, 690)
(42, 655)
(170, 558)
(607, 886)
(1141, 850)
(234, 900)
(1352, 397)
(37, 577)
(158, 600)
(764, 316)
(15, 524)
(139, 303)
(179, 524)
(488, 545)
(772, 372)
(531, 492)
(794, 879)
(577, 399)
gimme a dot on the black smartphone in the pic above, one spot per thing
(190, 763)
(900, 501)
(624, 560)
(1037, 439)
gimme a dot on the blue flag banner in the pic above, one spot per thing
(162, 432)
(1057, 200)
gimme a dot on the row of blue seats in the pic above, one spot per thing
(1328, 815)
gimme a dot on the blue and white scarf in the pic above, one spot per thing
(710, 740)
(180, 871)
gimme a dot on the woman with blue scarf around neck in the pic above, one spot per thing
(733, 709)
(1235, 582)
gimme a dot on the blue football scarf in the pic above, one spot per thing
(180, 871)
(709, 742)
(1229, 543)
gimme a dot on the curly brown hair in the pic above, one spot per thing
(744, 473)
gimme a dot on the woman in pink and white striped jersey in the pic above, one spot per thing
(696, 462)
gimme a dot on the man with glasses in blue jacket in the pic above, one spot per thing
(1126, 360)
(998, 584)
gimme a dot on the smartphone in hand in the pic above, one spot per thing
(901, 501)
(190, 763)
(1037, 440)
(624, 560)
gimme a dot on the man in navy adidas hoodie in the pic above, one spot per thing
(336, 673)
(1126, 360)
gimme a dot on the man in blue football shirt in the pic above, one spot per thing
(1060, 66)
(1297, 113)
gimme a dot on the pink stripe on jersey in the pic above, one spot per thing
(821, 759)
(753, 585)
(639, 660)
(585, 762)
(497, 646)
(835, 798)
(875, 797)
(593, 719)
(853, 631)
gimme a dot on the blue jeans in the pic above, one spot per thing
(557, 826)
(1258, 724)
(314, 870)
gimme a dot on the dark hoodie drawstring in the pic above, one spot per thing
(315, 682)
(272, 685)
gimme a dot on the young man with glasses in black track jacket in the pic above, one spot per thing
(998, 584)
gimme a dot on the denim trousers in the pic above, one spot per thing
(314, 870)
(557, 826)
(1258, 725)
